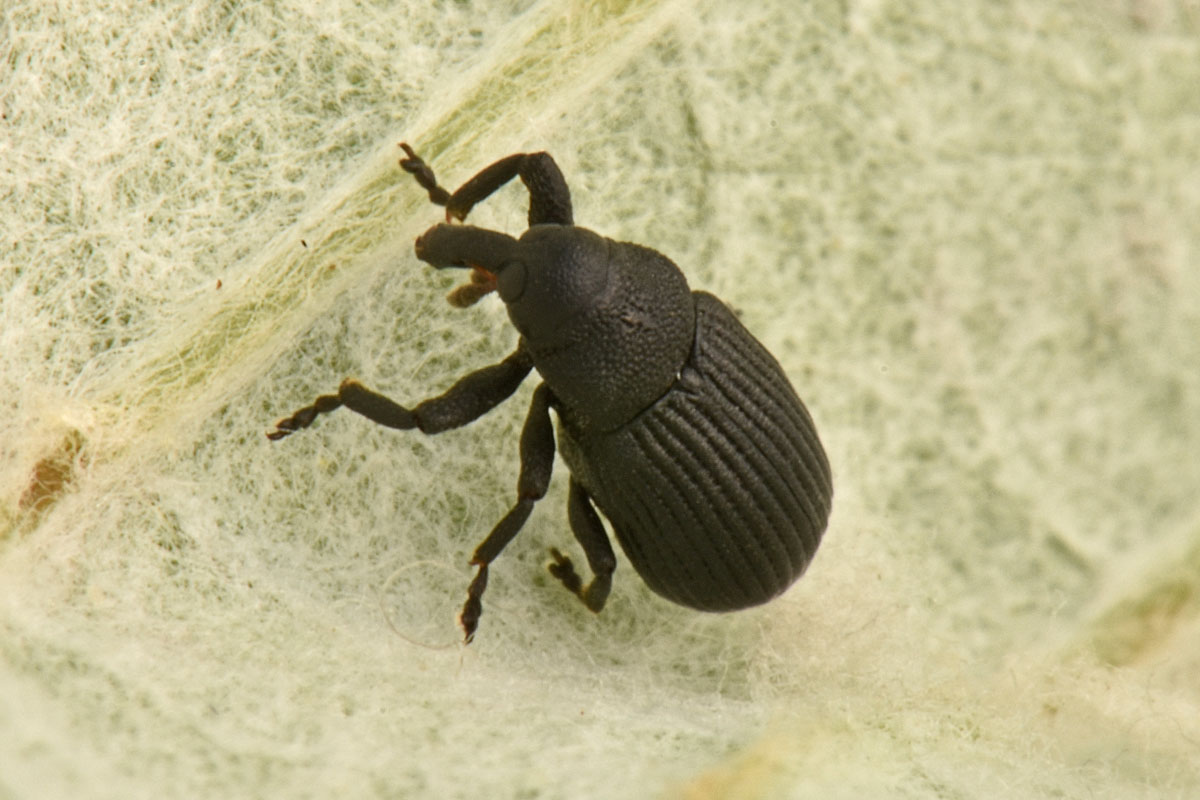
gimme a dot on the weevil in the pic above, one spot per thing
(674, 421)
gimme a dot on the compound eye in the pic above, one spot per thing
(510, 282)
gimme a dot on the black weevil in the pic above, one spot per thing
(674, 420)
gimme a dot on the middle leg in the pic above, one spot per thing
(537, 461)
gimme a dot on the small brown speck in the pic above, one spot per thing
(53, 475)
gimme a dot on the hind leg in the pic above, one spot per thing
(589, 532)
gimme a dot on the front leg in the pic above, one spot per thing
(469, 399)
(549, 197)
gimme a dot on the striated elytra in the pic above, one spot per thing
(675, 422)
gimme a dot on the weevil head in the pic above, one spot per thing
(608, 324)
(556, 278)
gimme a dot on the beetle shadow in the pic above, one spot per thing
(637, 637)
